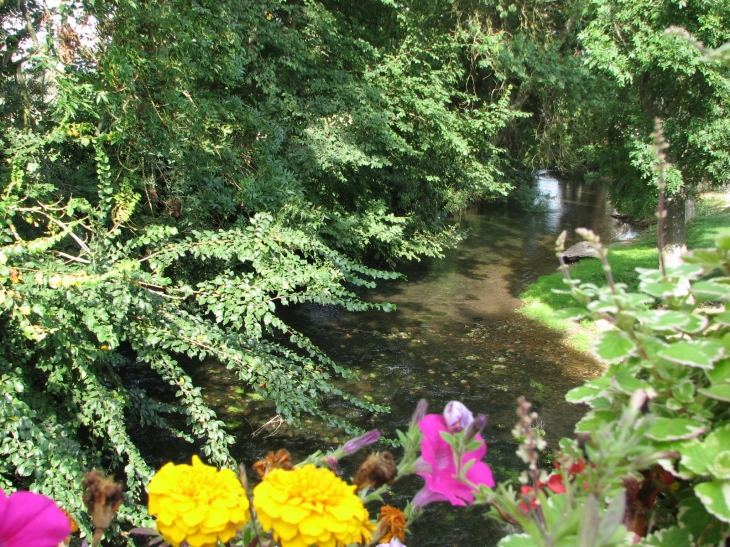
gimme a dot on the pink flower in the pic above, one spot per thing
(437, 466)
(31, 519)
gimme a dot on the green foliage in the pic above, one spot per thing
(657, 75)
(658, 416)
(176, 176)
(551, 291)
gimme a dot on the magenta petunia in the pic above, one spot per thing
(31, 519)
(438, 468)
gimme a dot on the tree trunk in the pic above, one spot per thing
(675, 236)
(690, 209)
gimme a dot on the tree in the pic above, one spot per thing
(660, 76)
(174, 177)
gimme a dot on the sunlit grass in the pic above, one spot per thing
(624, 260)
(541, 300)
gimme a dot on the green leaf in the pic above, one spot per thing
(720, 467)
(692, 353)
(698, 522)
(595, 419)
(663, 320)
(722, 318)
(720, 373)
(696, 324)
(588, 391)
(659, 290)
(700, 457)
(690, 271)
(628, 383)
(695, 457)
(582, 394)
(668, 537)
(612, 345)
(721, 392)
(715, 496)
(670, 429)
(709, 290)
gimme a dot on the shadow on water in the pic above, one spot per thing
(455, 335)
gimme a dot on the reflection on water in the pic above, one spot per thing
(455, 335)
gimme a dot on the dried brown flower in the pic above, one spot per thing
(102, 497)
(378, 469)
(280, 460)
(392, 523)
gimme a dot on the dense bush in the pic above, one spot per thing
(174, 173)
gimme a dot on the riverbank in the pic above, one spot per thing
(540, 302)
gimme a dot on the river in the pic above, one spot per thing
(456, 335)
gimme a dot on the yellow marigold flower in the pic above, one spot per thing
(311, 506)
(197, 503)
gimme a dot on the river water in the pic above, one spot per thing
(456, 335)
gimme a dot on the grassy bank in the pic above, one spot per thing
(713, 217)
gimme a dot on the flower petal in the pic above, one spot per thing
(481, 473)
(31, 519)
(426, 496)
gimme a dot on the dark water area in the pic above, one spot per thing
(456, 335)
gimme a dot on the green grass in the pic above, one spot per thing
(541, 301)
(624, 260)
(713, 219)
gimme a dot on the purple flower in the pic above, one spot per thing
(31, 519)
(437, 466)
(479, 423)
(457, 416)
(353, 445)
(420, 412)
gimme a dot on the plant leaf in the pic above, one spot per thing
(612, 345)
(715, 496)
(672, 429)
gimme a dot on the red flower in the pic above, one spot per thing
(529, 493)
(554, 484)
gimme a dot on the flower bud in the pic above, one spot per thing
(457, 416)
(476, 426)
(353, 445)
(420, 412)
(638, 399)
